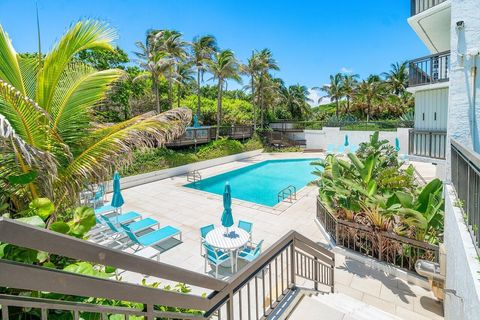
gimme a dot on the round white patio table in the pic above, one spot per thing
(216, 238)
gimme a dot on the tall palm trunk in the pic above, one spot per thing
(219, 108)
(157, 96)
(254, 110)
(198, 94)
(170, 94)
(348, 105)
(179, 94)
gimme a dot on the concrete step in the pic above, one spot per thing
(337, 306)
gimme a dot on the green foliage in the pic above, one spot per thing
(220, 148)
(163, 158)
(372, 188)
(235, 111)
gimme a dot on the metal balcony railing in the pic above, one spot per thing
(418, 6)
(430, 69)
(426, 143)
(253, 293)
(465, 168)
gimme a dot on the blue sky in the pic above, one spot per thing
(309, 39)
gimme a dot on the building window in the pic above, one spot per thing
(435, 116)
(423, 116)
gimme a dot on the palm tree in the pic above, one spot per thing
(252, 69)
(155, 63)
(169, 45)
(349, 87)
(397, 78)
(370, 91)
(223, 66)
(297, 101)
(184, 79)
(202, 50)
(48, 106)
(266, 64)
(333, 91)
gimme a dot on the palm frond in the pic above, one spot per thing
(80, 88)
(25, 116)
(87, 34)
(9, 66)
(115, 146)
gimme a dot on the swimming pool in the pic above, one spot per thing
(260, 182)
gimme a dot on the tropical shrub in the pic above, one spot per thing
(235, 111)
(220, 148)
(372, 188)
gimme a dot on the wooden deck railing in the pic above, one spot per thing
(253, 293)
(385, 246)
(202, 135)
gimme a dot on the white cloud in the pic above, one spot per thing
(315, 95)
(346, 70)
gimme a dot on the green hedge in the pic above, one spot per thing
(163, 158)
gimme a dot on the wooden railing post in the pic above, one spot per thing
(293, 267)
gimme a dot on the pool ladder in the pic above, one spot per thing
(194, 176)
(289, 193)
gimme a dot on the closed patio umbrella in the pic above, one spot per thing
(117, 199)
(196, 124)
(346, 140)
(397, 144)
(227, 217)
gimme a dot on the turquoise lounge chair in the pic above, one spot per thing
(105, 220)
(136, 227)
(341, 149)
(247, 226)
(152, 238)
(330, 149)
(251, 253)
(203, 233)
(122, 218)
(215, 257)
(105, 209)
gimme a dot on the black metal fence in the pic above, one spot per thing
(426, 143)
(381, 245)
(418, 6)
(430, 69)
(465, 168)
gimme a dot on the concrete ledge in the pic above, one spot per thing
(133, 181)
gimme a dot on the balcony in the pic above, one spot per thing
(429, 144)
(431, 21)
(419, 6)
(430, 69)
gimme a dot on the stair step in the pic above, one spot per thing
(309, 308)
(337, 306)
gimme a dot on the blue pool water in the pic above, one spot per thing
(260, 182)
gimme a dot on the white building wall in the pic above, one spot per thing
(462, 296)
(464, 107)
(462, 299)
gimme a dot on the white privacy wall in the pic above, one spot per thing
(462, 296)
(320, 139)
